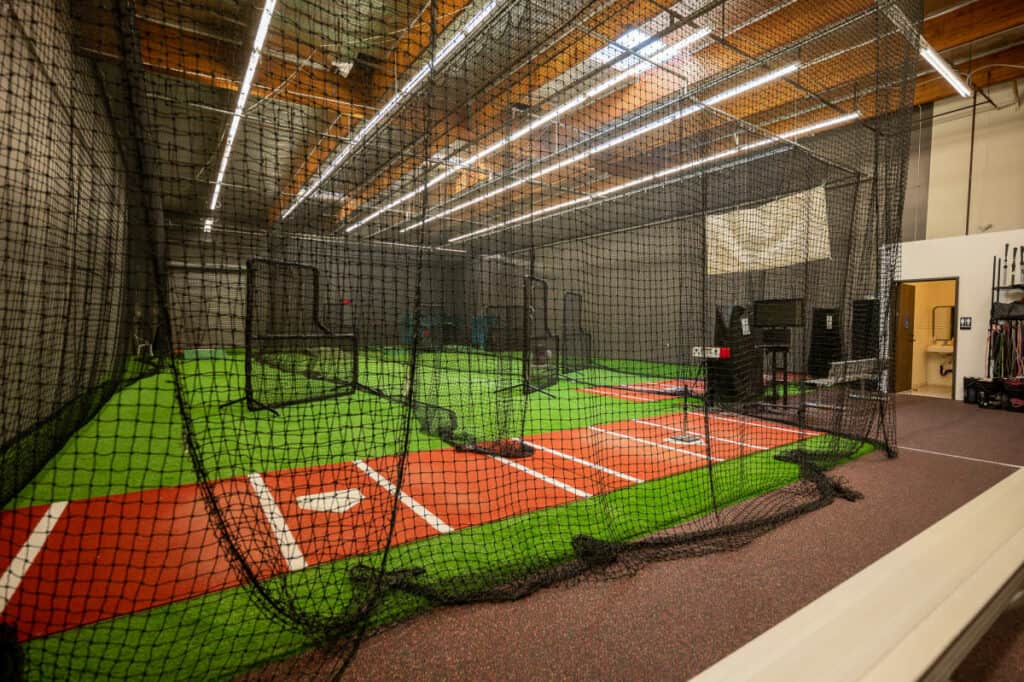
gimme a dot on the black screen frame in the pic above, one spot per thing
(758, 313)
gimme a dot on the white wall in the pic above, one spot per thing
(997, 192)
(970, 259)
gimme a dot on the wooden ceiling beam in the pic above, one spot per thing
(761, 37)
(990, 72)
(968, 23)
(180, 54)
(572, 50)
(842, 71)
(953, 29)
(407, 51)
(593, 186)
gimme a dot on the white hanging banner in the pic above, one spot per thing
(787, 231)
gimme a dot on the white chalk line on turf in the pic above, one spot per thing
(22, 561)
(584, 462)
(969, 459)
(759, 424)
(699, 435)
(286, 541)
(547, 479)
(432, 519)
(656, 444)
(621, 395)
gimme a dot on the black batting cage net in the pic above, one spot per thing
(316, 315)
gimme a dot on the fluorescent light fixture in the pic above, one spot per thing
(615, 189)
(614, 142)
(944, 69)
(574, 103)
(821, 125)
(930, 55)
(243, 94)
(331, 197)
(628, 40)
(399, 98)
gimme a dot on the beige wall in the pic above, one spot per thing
(997, 192)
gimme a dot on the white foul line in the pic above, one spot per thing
(762, 425)
(617, 394)
(27, 554)
(547, 479)
(285, 540)
(699, 435)
(584, 462)
(435, 522)
(970, 459)
(656, 444)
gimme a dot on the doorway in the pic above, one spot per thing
(925, 336)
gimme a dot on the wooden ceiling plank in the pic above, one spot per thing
(406, 53)
(758, 38)
(952, 29)
(572, 50)
(184, 55)
(970, 22)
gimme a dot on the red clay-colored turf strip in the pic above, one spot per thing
(326, 536)
(90, 568)
(20, 524)
(93, 565)
(645, 392)
(467, 489)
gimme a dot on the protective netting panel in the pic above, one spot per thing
(314, 315)
(291, 356)
(576, 340)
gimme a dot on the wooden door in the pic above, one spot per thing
(904, 338)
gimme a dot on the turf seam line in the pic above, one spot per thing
(970, 459)
(656, 444)
(421, 511)
(286, 541)
(695, 433)
(22, 561)
(584, 462)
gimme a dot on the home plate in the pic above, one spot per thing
(686, 439)
(336, 501)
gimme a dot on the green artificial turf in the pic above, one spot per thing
(223, 634)
(136, 441)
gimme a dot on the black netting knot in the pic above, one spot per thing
(594, 552)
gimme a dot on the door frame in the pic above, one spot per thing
(956, 322)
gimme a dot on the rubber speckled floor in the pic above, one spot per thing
(674, 619)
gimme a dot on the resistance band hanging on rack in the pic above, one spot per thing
(1006, 349)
